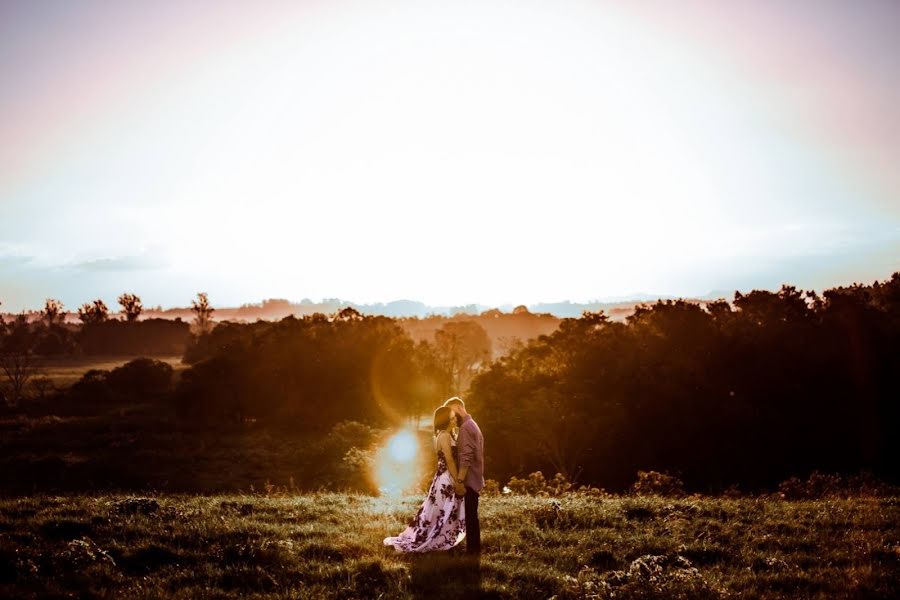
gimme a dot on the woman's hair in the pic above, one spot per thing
(442, 418)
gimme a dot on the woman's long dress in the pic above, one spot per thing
(440, 523)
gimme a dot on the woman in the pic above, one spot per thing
(441, 522)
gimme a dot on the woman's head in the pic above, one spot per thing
(443, 419)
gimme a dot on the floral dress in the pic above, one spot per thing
(440, 523)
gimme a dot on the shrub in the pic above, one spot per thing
(547, 515)
(537, 485)
(139, 379)
(92, 386)
(355, 468)
(827, 485)
(348, 434)
(136, 506)
(491, 488)
(653, 483)
(142, 378)
(347, 455)
(594, 491)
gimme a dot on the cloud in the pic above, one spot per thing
(12, 261)
(120, 263)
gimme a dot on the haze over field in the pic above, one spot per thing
(473, 152)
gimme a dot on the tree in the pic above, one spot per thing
(348, 314)
(432, 381)
(53, 312)
(43, 386)
(54, 337)
(93, 313)
(203, 314)
(131, 306)
(463, 347)
(313, 371)
(18, 366)
(17, 357)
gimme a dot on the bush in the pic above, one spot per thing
(92, 386)
(348, 434)
(354, 472)
(826, 485)
(653, 483)
(491, 488)
(537, 485)
(139, 379)
(136, 506)
(345, 458)
(142, 378)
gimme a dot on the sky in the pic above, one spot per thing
(493, 152)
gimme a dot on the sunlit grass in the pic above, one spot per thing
(329, 546)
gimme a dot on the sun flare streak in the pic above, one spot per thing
(395, 464)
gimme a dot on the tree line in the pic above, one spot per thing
(100, 333)
(26, 342)
(770, 386)
(318, 370)
(752, 391)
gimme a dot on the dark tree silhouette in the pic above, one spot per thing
(19, 368)
(148, 337)
(131, 306)
(348, 314)
(774, 386)
(54, 337)
(17, 359)
(202, 314)
(53, 312)
(311, 372)
(93, 313)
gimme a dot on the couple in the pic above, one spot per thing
(450, 509)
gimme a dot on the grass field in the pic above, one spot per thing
(330, 546)
(66, 370)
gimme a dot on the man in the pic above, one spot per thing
(471, 471)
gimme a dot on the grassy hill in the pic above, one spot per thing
(330, 546)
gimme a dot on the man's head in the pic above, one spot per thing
(458, 406)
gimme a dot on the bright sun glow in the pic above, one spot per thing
(403, 447)
(448, 152)
(395, 465)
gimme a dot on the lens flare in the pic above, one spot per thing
(403, 447)
(396, 469)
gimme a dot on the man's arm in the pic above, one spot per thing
(466, 451)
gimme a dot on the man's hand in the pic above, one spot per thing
(459, 488)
